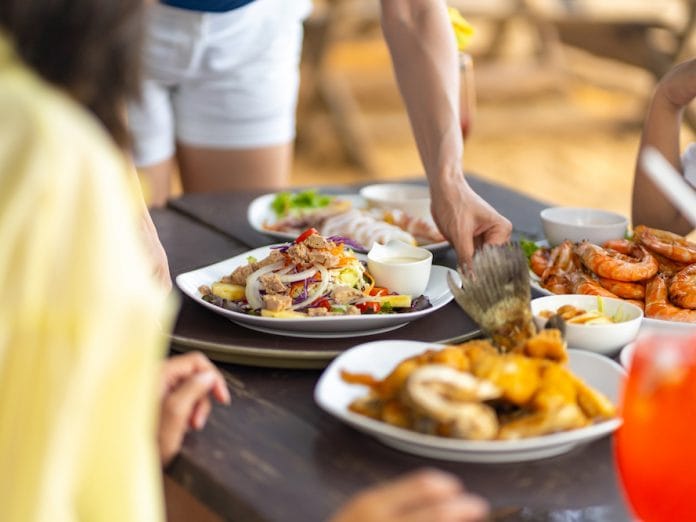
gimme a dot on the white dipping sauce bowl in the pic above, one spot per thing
(604, 339)
(414, 200)
(400, 267)
(577, 224)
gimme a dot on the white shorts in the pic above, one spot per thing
(218, 80)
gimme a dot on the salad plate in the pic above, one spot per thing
(317, 327)
(378, 358)
(260, 213)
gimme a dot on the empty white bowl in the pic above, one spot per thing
(400, 267)
(599, 338)
(577, 224)
(411, 199)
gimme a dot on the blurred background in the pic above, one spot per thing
(562, 87)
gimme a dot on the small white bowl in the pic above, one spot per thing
(626, 355)
(576, 224)
(411, 199)
(400, 267)
(599, 338)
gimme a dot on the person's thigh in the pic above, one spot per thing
(240, 106)
(211, 169)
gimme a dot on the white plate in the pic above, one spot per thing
(626, 355)
(260, 212)
(318, 327)
(378, 358)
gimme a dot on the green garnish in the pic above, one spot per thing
(386, 308)
(528, 247)
(251, 259)
(286, 202)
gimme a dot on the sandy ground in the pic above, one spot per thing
(566, 134)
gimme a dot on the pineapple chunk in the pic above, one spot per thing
(282, 314)
(396, 301)
(228, 291)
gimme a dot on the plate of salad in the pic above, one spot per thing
(311, 287)
(284, 215)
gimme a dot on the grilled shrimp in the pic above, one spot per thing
(624, 289)
(614, 265)
(666, 265)
(562, 261)
(623, 246)
(670, 245)
(583, 284)
(657, 305)
(539, 261)
(682, 289)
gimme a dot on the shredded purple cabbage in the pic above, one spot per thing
(347, 241)
(282, 248)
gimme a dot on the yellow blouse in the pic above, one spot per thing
(80, 317)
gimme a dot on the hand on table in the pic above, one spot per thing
(466, 220)
(187, 383)
(425, 495)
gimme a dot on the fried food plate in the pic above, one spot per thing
(648, 322)
(313, 327)
(378, 358)
(260, 212)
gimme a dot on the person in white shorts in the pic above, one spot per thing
(219, 95)
(662, 130)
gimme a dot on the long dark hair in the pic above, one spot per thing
(89, 48)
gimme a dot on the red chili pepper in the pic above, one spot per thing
(304, 235)
(378, 290)
(370, 307)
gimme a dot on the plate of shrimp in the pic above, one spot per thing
(655, 270)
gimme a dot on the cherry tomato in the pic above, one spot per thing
(378, 290)
(304, 235)
(371, 307)
(322, 303)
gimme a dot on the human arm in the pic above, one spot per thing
(187, 383)
(424, 56)
(661, 130)
(425, 495)
(148, 233)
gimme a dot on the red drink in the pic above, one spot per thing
(656, 445)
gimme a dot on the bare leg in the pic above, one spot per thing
(156, 180)
(208, 170)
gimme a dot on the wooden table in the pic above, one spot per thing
(274, 455)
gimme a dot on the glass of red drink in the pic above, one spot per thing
(655, 447)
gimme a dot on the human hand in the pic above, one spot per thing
(426, 495)
(187, 382)
(465, 219)
(678, 86)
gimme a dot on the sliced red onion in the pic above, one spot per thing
(305, 274)
(347, 241)
(252, 290)
(320, 291)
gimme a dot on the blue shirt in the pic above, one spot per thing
(208, 6)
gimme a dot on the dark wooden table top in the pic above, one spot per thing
(274, 455)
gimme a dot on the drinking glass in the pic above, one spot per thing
(467, 93)
(655, 447)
